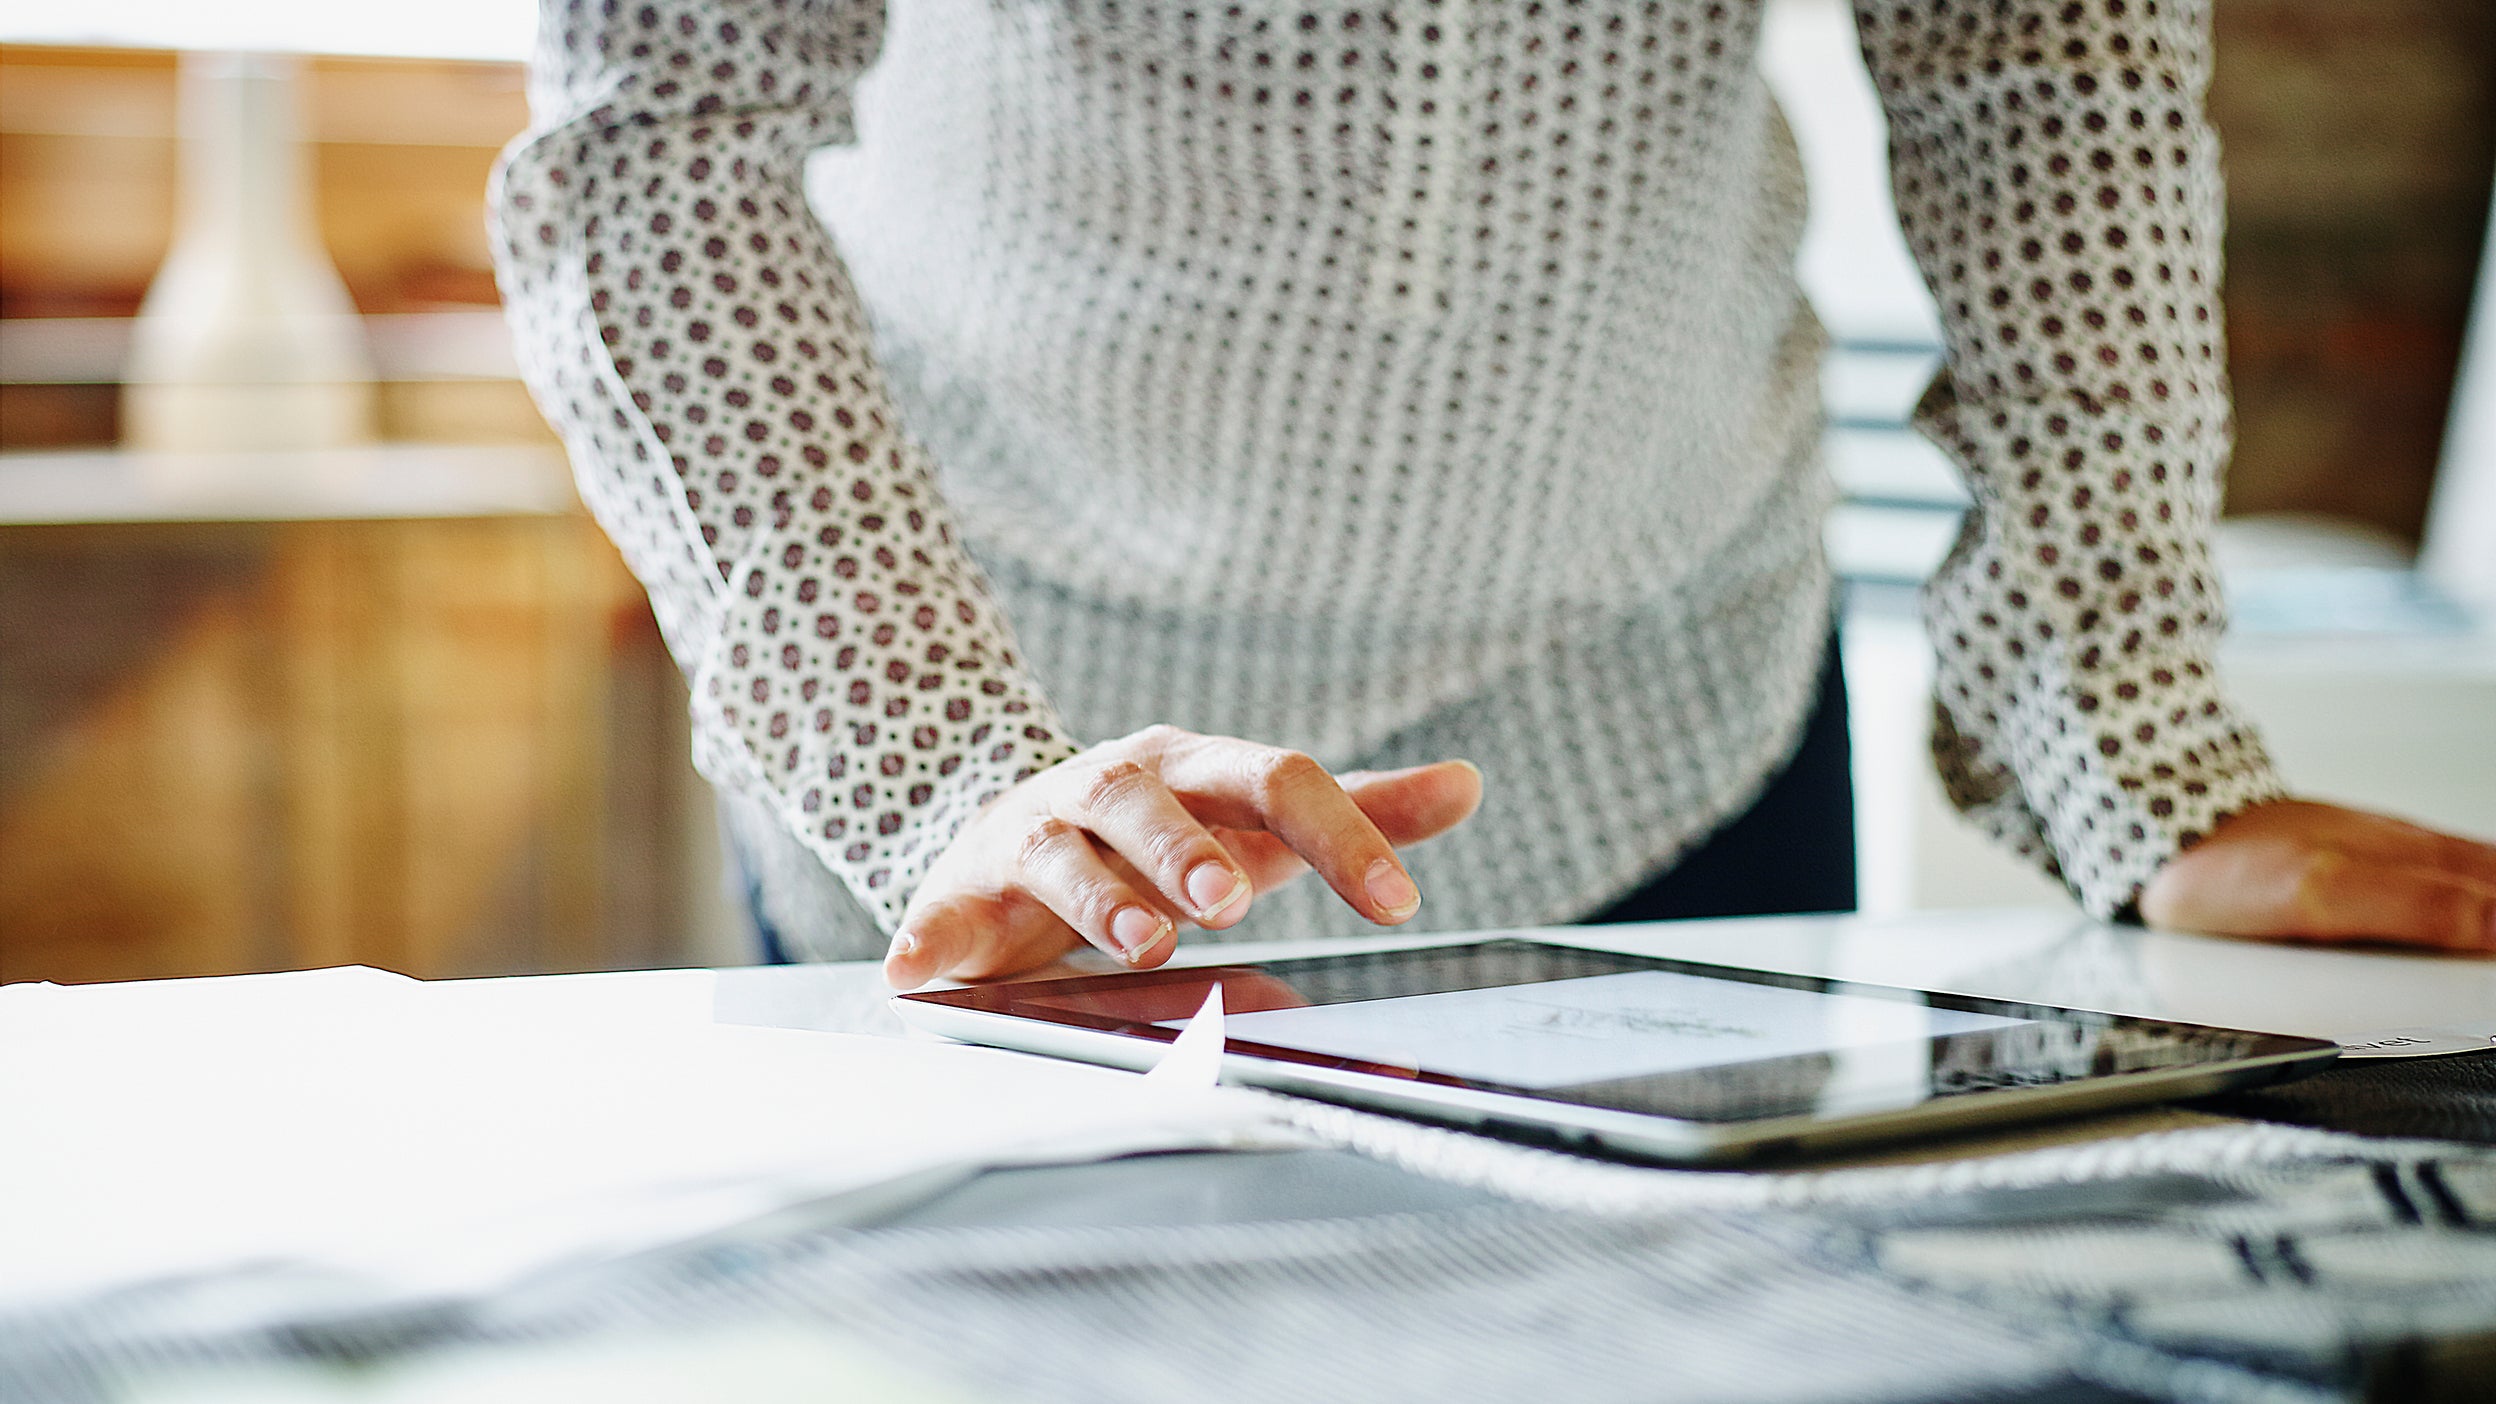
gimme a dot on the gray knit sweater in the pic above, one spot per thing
(1392, 381)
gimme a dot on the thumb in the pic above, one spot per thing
(973, 937)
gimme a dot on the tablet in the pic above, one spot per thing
(1651, 1058)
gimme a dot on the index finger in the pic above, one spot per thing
(1244, 785)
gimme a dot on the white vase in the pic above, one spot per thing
(247, 339)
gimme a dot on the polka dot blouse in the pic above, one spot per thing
(1388, 380)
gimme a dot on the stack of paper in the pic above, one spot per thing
(436, 1138)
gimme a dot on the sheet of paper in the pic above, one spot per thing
(1194, 1059)
(633, 999)
(1600, 1028)
(412, 1136)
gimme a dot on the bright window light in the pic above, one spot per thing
(455, 29)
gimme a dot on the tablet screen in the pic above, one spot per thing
(1631, 1033)
(1599, 1028)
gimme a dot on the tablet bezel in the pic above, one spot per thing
(1006, 1014)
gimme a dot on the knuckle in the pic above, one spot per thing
(2477, 926)
(1174, 851)
(2320, 878)
(1111, 785)
(1158, 736)
(1095, 901)
(1286, 773)
(1043, 837)
(2458, 915)
(1083, 900)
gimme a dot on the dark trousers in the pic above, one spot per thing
(1792, 851)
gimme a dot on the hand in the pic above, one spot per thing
(1120, 844)
(2298, 871)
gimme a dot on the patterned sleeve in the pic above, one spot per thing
(686, 325)
(2059, 185)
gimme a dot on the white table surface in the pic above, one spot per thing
(2037, 954)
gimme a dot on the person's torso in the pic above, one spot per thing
(1438, 311)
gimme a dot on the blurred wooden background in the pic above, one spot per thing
(2360, 140)
(455, 746)
(450, 746)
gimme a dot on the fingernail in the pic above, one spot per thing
(1137, 931)
(1391, 890)
(905, 945)
(1213, 888)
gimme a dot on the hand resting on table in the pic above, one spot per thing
(2295, 870)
